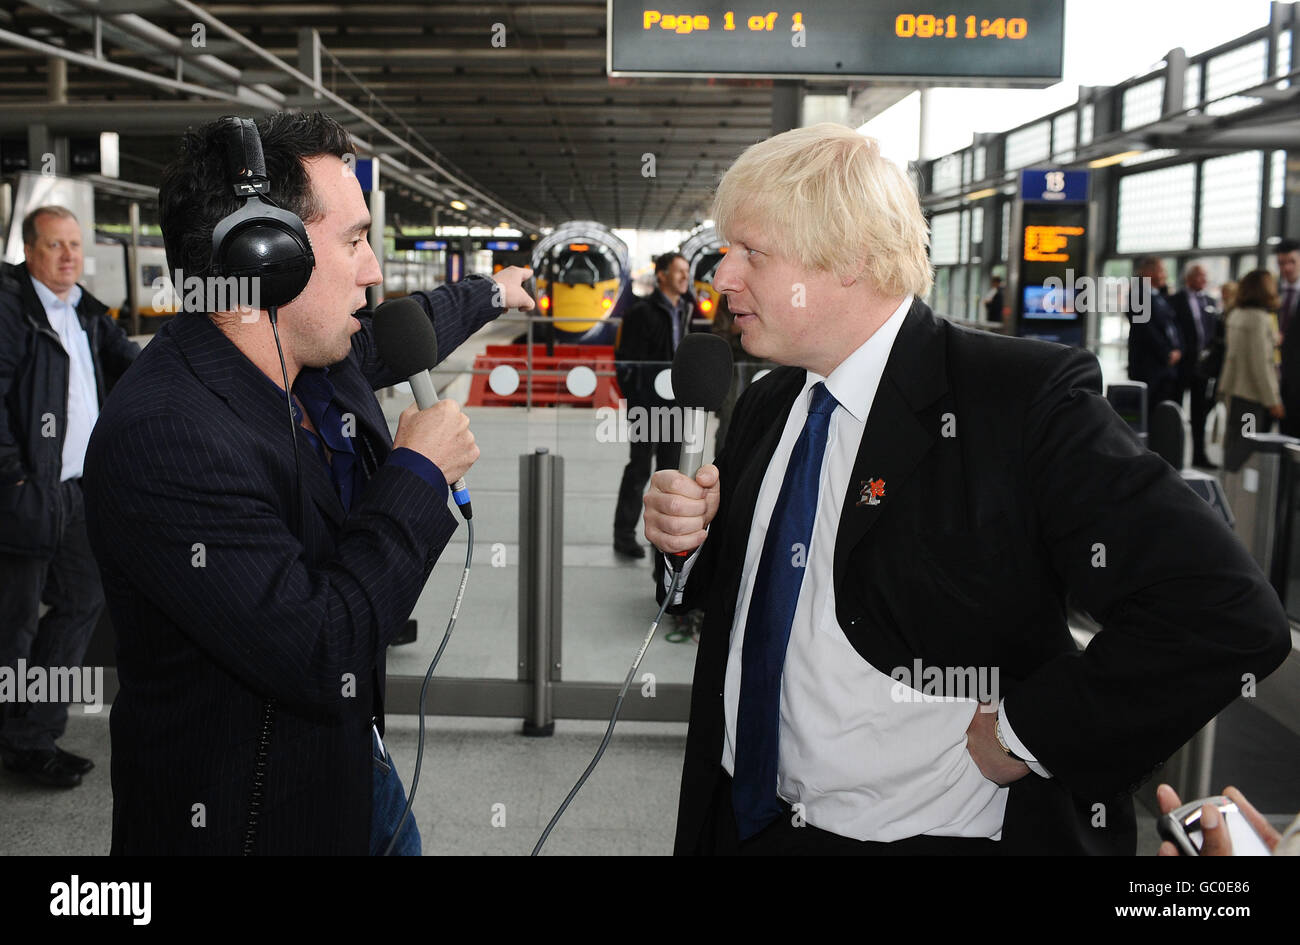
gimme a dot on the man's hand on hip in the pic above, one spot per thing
(441, 435)
(982, 743)
(678, 509)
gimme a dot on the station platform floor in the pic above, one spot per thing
(628, 806)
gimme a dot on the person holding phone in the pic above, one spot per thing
(1216, 836)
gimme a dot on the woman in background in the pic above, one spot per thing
(1228, 294)
(1249, 384)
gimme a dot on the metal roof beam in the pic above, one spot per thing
(141, 37)
(307, 81)
(243, 95)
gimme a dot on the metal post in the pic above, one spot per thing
(1175, 82)
(1201, 761)
(541, 550)
(375, 293)
(39, 144)
(922, 127)
(6, 203)
(57, 80)
(133, 267)
(787, 102)
(528, 366)
(1188, 770)
(309, 60)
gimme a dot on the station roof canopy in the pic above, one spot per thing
(528, 129)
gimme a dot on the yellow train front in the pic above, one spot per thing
(706, 297)
(704, 249)
(582, 284)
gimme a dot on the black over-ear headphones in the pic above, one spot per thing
(260, 240)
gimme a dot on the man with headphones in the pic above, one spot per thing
(261, 537)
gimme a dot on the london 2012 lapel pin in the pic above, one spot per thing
(872, 491)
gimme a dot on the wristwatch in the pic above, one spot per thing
(997, 733)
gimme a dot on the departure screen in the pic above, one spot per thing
(1004, 42)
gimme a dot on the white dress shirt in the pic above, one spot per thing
(862, 763)
(83, 395)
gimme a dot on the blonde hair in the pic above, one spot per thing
(831, 201)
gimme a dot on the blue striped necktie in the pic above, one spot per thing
(767, 625)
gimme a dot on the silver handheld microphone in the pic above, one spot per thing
(408, 344)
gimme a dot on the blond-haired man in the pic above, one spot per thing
(886, 543)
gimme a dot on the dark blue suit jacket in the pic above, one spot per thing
(1198, 359)
(220, 609)
(1149, 345)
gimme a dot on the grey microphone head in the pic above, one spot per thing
(701, 371)
(405, 337)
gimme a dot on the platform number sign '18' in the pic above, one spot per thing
(1055, 181)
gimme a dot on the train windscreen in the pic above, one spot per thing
(584, 267)
(707, 265)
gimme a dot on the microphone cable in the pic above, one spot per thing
(613, 719)
(424, 689)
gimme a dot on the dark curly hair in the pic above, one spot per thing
(196, 187)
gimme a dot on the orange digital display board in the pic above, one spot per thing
(1050, 243)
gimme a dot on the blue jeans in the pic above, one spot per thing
(388, 803)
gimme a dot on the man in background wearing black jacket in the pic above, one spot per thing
(1154, 350)
(650, 333)
(1200, 326)
(59, 353)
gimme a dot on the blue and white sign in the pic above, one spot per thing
(1053, 186)
(365, 171)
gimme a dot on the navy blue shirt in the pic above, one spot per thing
(314, 389)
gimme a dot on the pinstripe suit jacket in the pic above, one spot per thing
(219, 608)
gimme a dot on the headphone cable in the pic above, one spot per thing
(268, 707)
(273, 313)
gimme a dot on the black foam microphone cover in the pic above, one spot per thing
(405, 337)
(702, 371)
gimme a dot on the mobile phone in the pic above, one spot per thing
(1183, 828)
